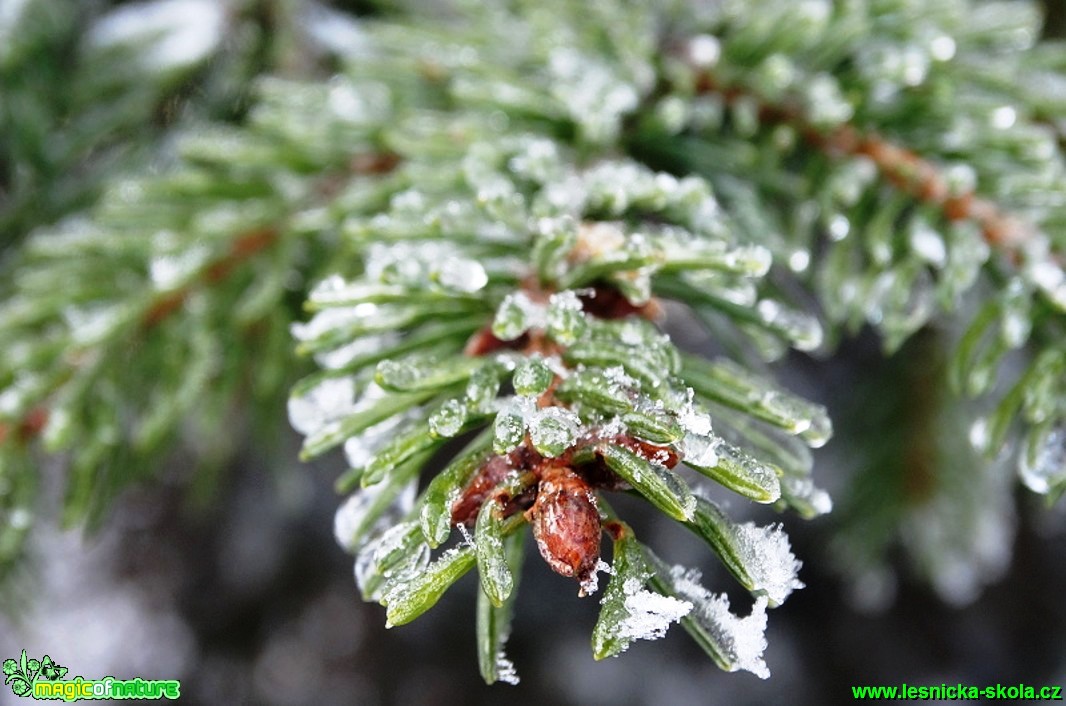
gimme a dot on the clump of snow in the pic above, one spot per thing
(169, 33)
(649, 614)
(768, 557)
(741, 641)
(505, 670)
(591, 583)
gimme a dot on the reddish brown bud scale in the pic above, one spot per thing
(484, 342)
(957, 208)
(163, 307)
(33, 423)
(566, 523)
(374, 163)
(28, 428)
(483, 484)
(606, 302)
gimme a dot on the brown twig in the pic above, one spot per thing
(901, 167)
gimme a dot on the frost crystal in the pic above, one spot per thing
(510, 425)
(565, 318)
(649, 614)
(740, 640)
(767, 555)
(698, 450)
(692, 419)
(505, 670)
(591, 583)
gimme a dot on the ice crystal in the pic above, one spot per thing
(741, 641)
(649, 614)
(768, 558)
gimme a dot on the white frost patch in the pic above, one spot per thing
(699, 446)
(649, 614)
(172, 270)
(741, 640)
(591, 583)
(768, 557)
(468, 539)
(693, 419)
(328, 319)
(335, 31)
(699, 450)
(351, 514)
(170, 33)
(325, 402)
(91, 324)
(553, 429)
(505, 670)
(10, 17)
(461, 274)
(340, 357)
(804, 489)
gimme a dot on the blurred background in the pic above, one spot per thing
(246, 597)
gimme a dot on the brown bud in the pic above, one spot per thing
(566, 523)
(486, 481)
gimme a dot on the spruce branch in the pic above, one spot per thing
(491, 217)
(899, 166)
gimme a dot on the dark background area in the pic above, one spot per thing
(250, 600)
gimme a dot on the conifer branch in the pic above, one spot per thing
(901, 167)
(495, 274)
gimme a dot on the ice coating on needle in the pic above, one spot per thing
(384, 558)
(329, 400)
(1044, 465)
(553, 430)
(351, 517)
